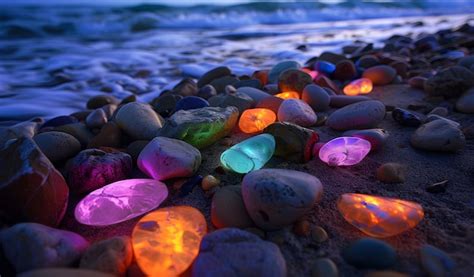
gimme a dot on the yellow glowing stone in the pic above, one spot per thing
(288, 95)
(255, 120)
(379, 216)
(359, 86)
(166, 241)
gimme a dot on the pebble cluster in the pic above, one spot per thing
(94, 155)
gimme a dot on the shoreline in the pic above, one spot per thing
(447, 223)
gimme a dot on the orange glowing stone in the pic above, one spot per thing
(359, 86)
(288, 95)
(379, 216)
(255, 120)
(166, 241)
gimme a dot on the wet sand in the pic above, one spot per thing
(449, 216)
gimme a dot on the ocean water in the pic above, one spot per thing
(53, 58)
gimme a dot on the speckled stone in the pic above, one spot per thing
(275, 198)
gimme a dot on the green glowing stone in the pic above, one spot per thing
(200, 127)
(250, 154)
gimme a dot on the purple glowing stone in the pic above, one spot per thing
(344, 151)
(120, 201)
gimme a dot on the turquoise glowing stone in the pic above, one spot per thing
(250, 154)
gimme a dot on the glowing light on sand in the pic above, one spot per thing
(255, 120)
(250, 154)
(120, 201)
(379, 216)
(344, 151)
(288, 95)
(166, 241)
(359, 86)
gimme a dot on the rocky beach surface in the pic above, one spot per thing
(351, 162)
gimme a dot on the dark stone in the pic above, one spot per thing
(93, 168)
(213, 74)
(191, 102)
(293, 143)
(100, 101)
(31, 189)
(59, 121)
(450, 82)
(345, 70)
(187, 87)
(406, 118)
(370, 253)
(165, 104)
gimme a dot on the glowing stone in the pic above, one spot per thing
(359, 86)
(250, 154)
(311, 73)
(325, 67)
(288, 95)
(120, 201)
(379, 216)
(166, 241)
(344, 151)
(255, 120)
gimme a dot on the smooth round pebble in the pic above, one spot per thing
(370, 253)
(100, 101)
(450, 82)
(293, 80)
(361, 115)
(209, 182)
(191, 102)
(279, 68)
(316, 97)
(436, 262)
(228, 209)
(59, 121)
(318, 234)
(298, 112)
(339, 101)
(213, 74)
(391, 173)
(465, 103)
(441, 111)
(438, 135)
(139, 120)
(324, 267)
(233, 252)
(29, 246)
(275, 198)
(96, 119)
(57, 146)
(380, 74)
(165, 158)
(345, 70)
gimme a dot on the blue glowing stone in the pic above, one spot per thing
(325, 67)
(250, 154)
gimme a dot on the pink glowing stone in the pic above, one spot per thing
(120, 201)
(344, 151)
(311, 73)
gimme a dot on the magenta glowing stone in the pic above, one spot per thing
(344, 151)
(120, 201)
